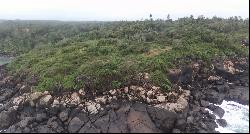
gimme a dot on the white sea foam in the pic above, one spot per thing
(237, 117)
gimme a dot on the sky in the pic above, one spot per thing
(103, 10)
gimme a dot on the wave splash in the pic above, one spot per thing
(237, 117)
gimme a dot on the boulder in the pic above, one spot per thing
(102, 100)
(219, 111)
(64, 115)
(139, 122)
(41, 117)
(92, 107)
(173, 75)
(190, 119)
(75, 98)
(103, 123)
(225, 69)
(204, 103)
(163, 119)
(214, 97)
(35, 96)
(26, 130)
(7, 118)
(186, 75)
(89, 128)
(222, 122)
(44, 129)
(161, 98)
(126, 90)
(150, 93)
(25, 122)
(55, 124)
(81, 92)
(55, 103)
(46, 100)
(18, 100)
(180, 124)
(75, 125)
(176, 131)
(6, 94)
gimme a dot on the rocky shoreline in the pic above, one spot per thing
(137, 108)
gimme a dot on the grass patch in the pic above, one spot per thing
(112, 56)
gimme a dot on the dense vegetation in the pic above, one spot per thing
(110, 54)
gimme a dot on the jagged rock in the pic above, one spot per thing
(23, 123)
(103, 123)
(213, 78)
(150, 93)
(163, 119)
(41, 117)
(133, 87)
(219, 111)
(155, 88)
(35, 96)
(13, 129)
(126, 90)
(214, 97)
(55, 125)
(140, 122)
(113, 92)
(44, 129)
(55, 103)
(118, 119)
(190, 119)
(110, 99)
(203, 125)
(203, 110)
(46, 100)
(24, 89)
(176, 131)
(186, 75)
(75, 98)
(102, 100)
(211, 125)
(64, 115)
(7, 93)
(7, 118)
(75, 124)
(211, 116)
(202, 131)
(225, 69)
(222, 122)
(204, 103)
(81, 92)
(161, 98)
(89, 128)
(26, 130)
(114, 98)
(18, 100)
(173, 75)
(179, 106)
(180, 124)
(240, 94)
(92, 108)
(148, 100)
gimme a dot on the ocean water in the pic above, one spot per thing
(237, 117)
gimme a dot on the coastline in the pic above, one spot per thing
(187, 104)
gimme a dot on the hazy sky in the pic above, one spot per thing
(119, 9)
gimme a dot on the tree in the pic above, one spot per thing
(150, 15)
(169, 19)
